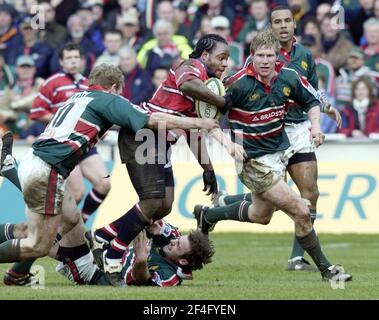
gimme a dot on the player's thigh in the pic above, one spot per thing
(284, 198)
(304, 174)
(94, 169)
(75, 184)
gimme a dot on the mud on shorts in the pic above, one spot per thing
(149, 179)
(301, 143)
(261, 173)
(42, 186)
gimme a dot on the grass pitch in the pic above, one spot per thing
(245, 267)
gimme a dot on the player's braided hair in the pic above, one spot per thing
(206, 43)
(202, 250)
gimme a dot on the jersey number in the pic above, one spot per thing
(61, 114)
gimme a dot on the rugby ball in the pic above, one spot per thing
(206, 110)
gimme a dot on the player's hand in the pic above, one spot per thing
(142, 246)
(237, 152)
(318, 138)
(208, 124)
(336, 116)
(210, 183)
(155, 228)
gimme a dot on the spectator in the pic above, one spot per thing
(76, 34)
(9, 36)
(138, 86)
(113, 43)
(371, 33)
(205, 28)
(322, 10)
(221, 26)
(160, 75)
(64, 9)
(312, 27)
(128, 24)
(362, 116)
(124, 7)
(165, 49)
(40, 51)
(301, 13)
(354, 69)
(257, 21)
(323, 67)
(356, 26)
(7, 76)
(53, 34)
(93, 30)
(18, 98)
(335, 45)
(181, 20)
(212, 8)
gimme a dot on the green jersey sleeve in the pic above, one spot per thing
(304, 93)
(312, 78)
(123, 113)
(164, 276)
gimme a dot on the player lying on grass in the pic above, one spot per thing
(260, 94)
(74, 129)
(161, 256)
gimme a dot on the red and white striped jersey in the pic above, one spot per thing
(168, 97)
(54, 92)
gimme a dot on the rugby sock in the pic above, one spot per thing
(70, 257)
(6, 232)
(73, 253)
(132, 224)
(238, 197)
(10, 251)
(12, 175)
(92, 201)
(109, 232)
(311, 245)
(236, 211)
(23, 267)
(297, 250)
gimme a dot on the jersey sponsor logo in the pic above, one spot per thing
(286, 91)
(304, 65)
(270, 115)
(377, 66)
(254, 97)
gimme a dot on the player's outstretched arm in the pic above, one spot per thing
(197, 90)
(314, 118)
(235, 150)
(174, 122)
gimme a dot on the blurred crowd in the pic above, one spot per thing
(145, 37)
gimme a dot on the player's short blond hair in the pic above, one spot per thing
(265, 39)
(106, 75)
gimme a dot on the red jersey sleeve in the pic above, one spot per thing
(190, 70)
(42, 103)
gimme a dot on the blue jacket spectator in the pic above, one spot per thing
(10, 38)
(138, 85)
(40, 51)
